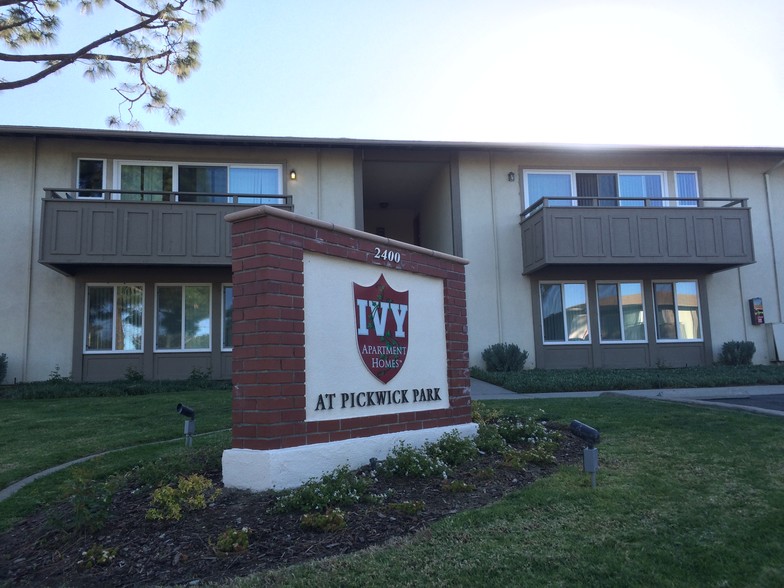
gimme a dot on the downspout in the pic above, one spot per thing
(28, 310)
(766, 175)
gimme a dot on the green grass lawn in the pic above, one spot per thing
(685, 497)
(37, 434)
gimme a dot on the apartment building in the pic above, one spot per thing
(116, 258)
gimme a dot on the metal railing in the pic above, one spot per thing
(610, 202)
(157, 196)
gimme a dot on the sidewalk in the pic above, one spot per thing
(756, 395)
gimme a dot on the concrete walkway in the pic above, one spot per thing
(757, 399)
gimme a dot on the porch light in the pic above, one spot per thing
(293, 174)
(510, 176)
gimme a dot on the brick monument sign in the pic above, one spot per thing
(344, 344)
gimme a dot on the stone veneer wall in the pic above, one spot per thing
(268, 410)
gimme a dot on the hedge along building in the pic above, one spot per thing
(116, 255)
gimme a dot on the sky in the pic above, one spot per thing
(635, 72)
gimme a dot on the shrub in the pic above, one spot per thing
(193, 492)
(328, 522)
(341, 487)
(407, 507)
(504, 357)
(406, 461)
(89, 502)
(737, 353)
(489, 439)
(3, 366)
(456, 486)
(452, 448)
(97, 555)
(233, 540)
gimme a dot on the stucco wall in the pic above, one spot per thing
(436, 215)
(38, 338)
(16, 178)
(499, 301)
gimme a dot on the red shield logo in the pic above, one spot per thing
(381, 316)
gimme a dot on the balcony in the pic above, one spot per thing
(96, 227)
(711, 236)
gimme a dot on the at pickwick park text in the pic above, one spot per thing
(344, 400)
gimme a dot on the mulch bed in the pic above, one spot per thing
(34, 552)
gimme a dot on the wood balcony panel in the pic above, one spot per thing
(713, 238)
(78, 233)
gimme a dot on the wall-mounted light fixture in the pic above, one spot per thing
(510, 176)
(293, 174)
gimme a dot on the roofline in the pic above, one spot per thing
(347, 143)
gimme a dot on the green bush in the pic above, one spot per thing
(489, 439)
(341, 487)
(3, 366)
(504, 357)
(406, 461)
(737, 353)
(452, 448)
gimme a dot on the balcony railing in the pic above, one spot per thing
(608, 202)
(88, 228)
(710, 234)
(281, 201)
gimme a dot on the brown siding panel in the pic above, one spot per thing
(715, 238)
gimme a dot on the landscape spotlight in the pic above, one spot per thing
(591, 437)
(190, 424)
(186, 411)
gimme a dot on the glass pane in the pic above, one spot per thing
(209, 179)
(686, 188)
(249, 180)
(576, 310)
(145, 178)
(640, 185)
(197, 317)
(633, 313)
(549, 186)
(665, 311)
(609, 312)
(100, 311)
(228, 305)
(552, 312)
(688, 310)
(90, 177)
(168, 324)
(130, 314)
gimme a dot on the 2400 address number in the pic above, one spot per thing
(387, 255)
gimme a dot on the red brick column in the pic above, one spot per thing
(268, 359)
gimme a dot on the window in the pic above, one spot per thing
(228, 306)
(564, 312)
(254, 184)
(677, 311)
(621, 312)
(183, 317)
(90, 176)
(595, 188)
(114, 318)
(686, 190)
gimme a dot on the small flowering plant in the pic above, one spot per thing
(233, 540)
(97, 555)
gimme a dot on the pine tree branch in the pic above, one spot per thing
(75, 56)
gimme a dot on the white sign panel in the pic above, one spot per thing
(375, 340)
